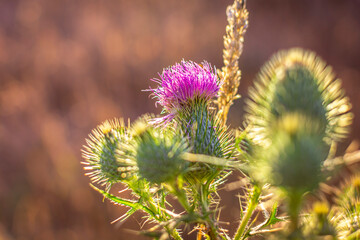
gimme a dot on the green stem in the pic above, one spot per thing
(176, 188)
(294, 206)
(172, 232)
(204, 197)
(181, 196)
(213, 230)
(252, 204)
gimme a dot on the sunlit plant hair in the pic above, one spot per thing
(296, 80)
(346, 212)
(101, 162)
(340, 220)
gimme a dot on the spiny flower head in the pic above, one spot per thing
(158, 152)
(184, 83)
(298, 81)
(101, 160)
(293, 160)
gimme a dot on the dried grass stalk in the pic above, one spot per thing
(237, 16)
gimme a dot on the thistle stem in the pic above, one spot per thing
(204, 199)
(175, 188)
(252, 204)
(154, 208)
(294, 206)
(213, 230)
(180, 194)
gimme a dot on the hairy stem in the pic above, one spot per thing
(173, 232)
(294, 206)
(204, 197)
(252, 204)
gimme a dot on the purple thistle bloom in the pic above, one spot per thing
(182, 84)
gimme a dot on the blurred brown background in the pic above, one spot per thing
(65, 66)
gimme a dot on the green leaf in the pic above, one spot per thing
(125, 216)
(216, 161)
(272, 217)
(128, 203)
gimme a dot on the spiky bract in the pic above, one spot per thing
(206, 135)
(183, 83)
(158, 153)
(100, 154)
(205, 132)
(297, 81)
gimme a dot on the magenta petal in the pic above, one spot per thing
(182, 83)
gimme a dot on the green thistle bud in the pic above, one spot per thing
(102, 162)
(297, 81)
(292, 161)
(318, 222)
(158, 153)
(294, 158)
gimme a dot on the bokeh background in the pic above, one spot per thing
(66, 66)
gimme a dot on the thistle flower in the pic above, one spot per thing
(185, 91)
(183, 84)
(102, 162)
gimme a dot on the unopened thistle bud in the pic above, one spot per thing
(318, 222)
(102, 162)
(297, 81)
(158, 153)
(293, 160)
